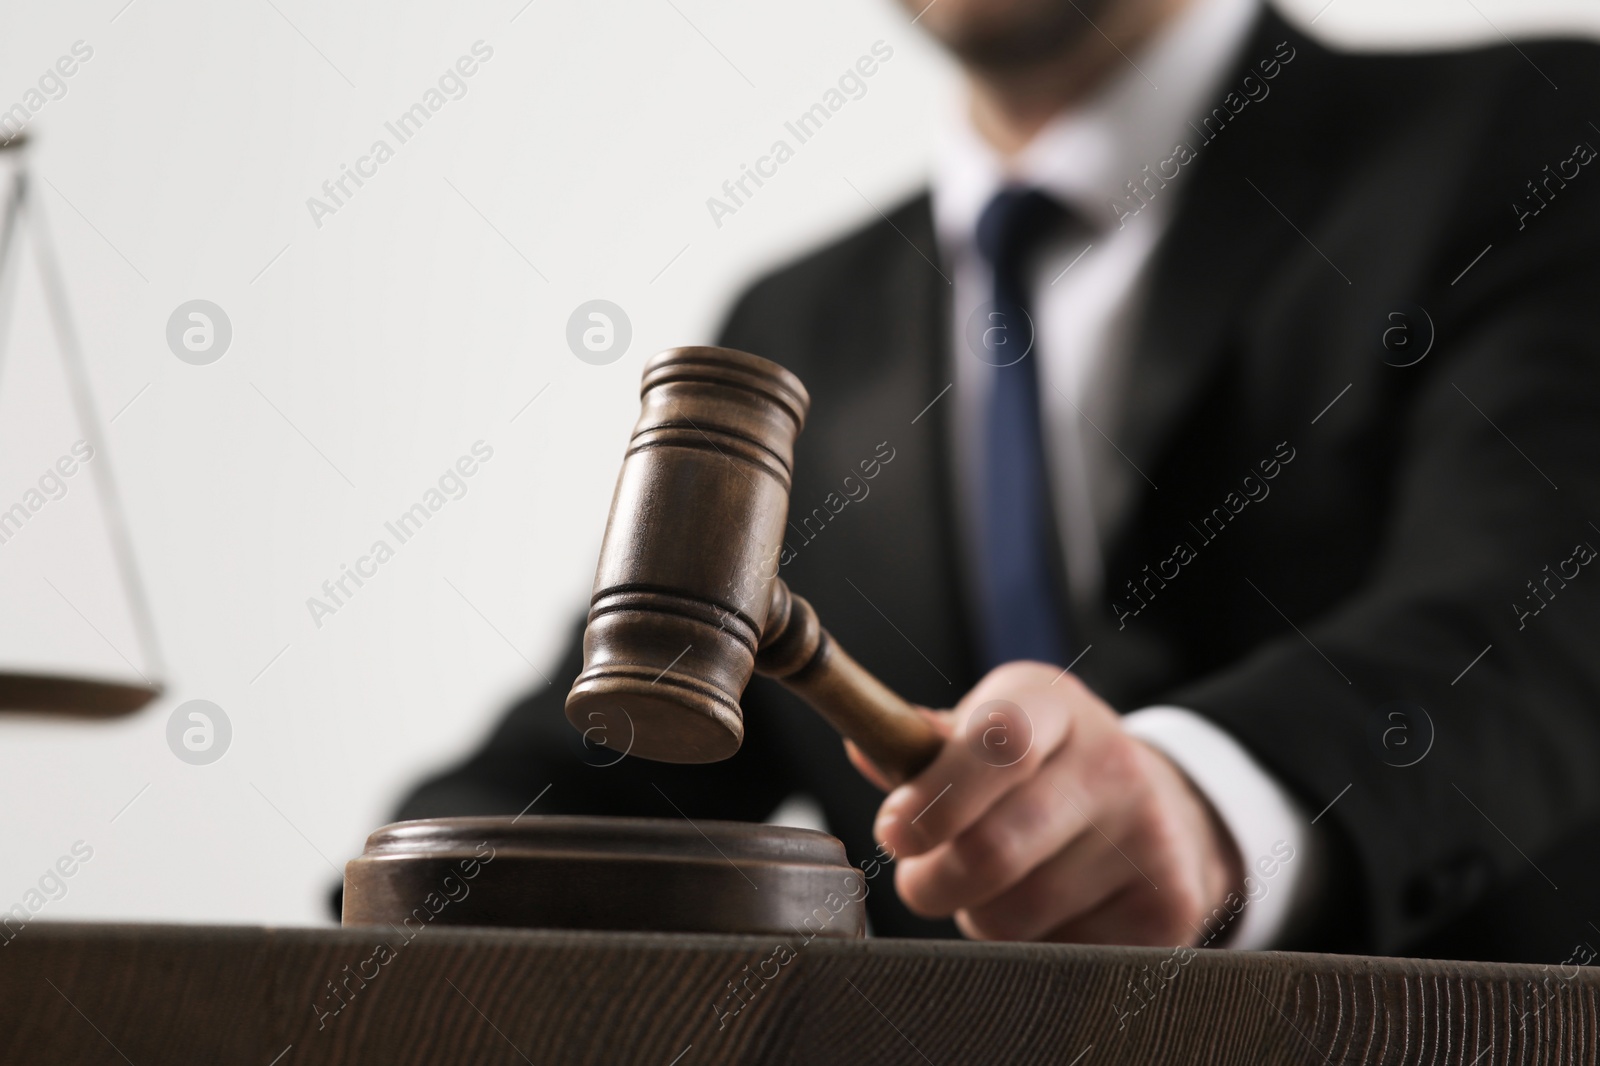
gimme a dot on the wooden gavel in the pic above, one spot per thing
(687, 598)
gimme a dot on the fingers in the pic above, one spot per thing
(1021, 830)
(1003, 731)
(1042, 818)
(1069, 886)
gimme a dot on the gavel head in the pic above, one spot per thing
(690, 555)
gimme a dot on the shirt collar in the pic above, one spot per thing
(1085, 155)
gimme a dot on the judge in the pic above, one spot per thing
(1233, 407)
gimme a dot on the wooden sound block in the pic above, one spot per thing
(620, 874)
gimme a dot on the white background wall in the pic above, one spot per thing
(374, 351)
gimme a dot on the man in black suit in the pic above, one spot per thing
(1267, 403)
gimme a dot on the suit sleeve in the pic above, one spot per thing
(1473, 634)
(534, 754)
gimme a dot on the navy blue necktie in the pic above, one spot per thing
(1022, 613)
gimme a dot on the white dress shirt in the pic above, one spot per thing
(1087, 293)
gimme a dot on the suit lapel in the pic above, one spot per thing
(919, 348)
(871, 344)
(1250, 188)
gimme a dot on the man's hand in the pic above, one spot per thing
(1042, 820)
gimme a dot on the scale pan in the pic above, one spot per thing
(79, 697)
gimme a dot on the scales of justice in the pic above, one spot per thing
(88, 690)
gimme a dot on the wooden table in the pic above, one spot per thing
(145, 994)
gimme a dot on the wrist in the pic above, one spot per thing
(1274, 835)
(1219, 863)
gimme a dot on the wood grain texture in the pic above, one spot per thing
(111, 994)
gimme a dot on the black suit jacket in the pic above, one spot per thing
(1386, 561)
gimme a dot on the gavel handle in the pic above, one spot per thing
(797, 651)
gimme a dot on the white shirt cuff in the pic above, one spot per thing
(1272, 833)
